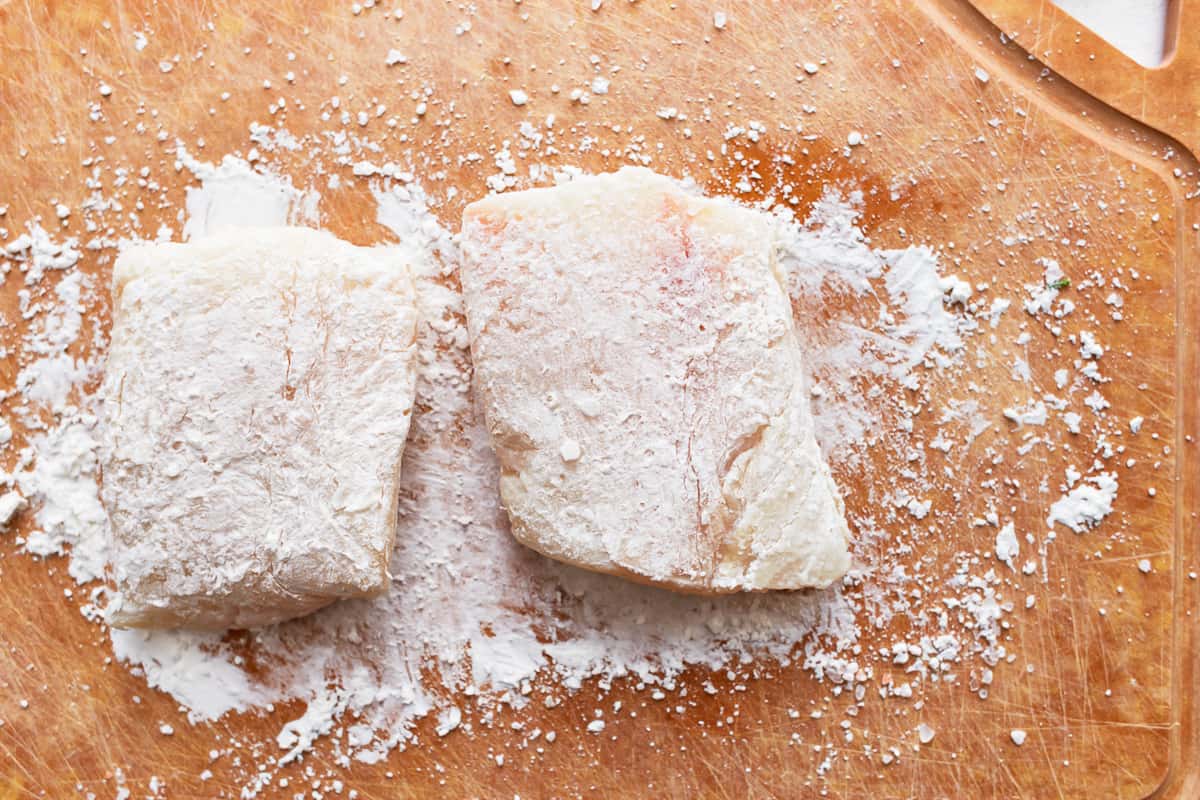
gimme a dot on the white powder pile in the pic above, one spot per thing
(232, 193)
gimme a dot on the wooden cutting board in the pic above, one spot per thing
(957, 117)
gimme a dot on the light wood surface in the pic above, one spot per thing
(1167, 98)
(932, 161)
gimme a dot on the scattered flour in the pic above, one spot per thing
(473, 619)
(457, 571)
(1033, 413)
(62, 486)
(36, 252)
(10, 504)
(1007, 545)
(195, 668)
(233, 194)
(1087, 504)
(828, 253)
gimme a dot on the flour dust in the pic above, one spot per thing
(472, 618)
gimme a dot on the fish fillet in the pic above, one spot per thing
(639, 371)
(257, 397)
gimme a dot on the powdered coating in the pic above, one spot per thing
(639, 371)
(257, 397)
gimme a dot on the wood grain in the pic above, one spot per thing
(931, 164)
(1166, 97)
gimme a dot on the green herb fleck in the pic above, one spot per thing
(1061, 283)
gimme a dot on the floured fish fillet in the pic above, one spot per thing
(638, 368)
(257, 397)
